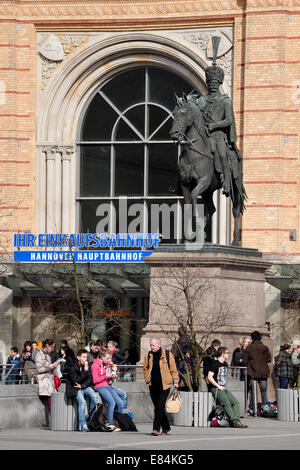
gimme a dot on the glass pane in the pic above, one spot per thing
(163, 218)
(129, 175)
(136, 116)
(95, 170)
(125, 132)
(127, 88)
(156, 116)
(99, 120)
(163, 177)
(92, 213)
(164, 85)
(130, 215)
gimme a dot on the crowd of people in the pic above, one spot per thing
(94, 370)
(90, 371)
(21, 367)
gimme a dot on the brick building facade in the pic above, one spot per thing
(42, 101)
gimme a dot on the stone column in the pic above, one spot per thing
(53, 191)
(66, 158)
(59, 188)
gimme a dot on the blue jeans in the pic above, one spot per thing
(263, 386)
(123, 395)
(283, 382)
(113, 400)
(81, 403)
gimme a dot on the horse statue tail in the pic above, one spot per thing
(236, 177)
(244, 197)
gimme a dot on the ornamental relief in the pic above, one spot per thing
(110, 9)
(129, 9)
(202, 40)
(53, 49)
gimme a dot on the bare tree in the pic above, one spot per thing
(188, 298)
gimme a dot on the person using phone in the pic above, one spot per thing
(45, 375)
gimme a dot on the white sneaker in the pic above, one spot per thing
(112, 427)
(117, 429)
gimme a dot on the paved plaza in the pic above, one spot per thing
(261, 434)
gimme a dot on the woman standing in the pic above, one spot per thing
(238, 356)
(28, 367)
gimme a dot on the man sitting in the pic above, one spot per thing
(217, 385)
(79, 384)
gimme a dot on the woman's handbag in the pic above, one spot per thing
(174, 401)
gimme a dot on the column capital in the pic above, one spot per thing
(50, 152)
(66, 152)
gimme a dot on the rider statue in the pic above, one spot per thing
(218, 114)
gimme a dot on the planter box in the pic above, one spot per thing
(195, 409)
(64, 415)
(288, 403)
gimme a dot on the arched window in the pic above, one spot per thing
(126, 151)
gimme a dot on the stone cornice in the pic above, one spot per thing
(111, 15)
(116, 9)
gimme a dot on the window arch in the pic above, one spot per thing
(126, 150)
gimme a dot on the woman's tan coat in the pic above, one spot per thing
(45, 376)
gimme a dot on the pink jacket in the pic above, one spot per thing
(99, 373)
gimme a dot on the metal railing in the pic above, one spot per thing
(127, 372)
(13, 374)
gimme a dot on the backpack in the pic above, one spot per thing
(267, 410)
(125, 421)
(96, 420)
(218, 416)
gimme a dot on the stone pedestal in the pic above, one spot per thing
(236, 277)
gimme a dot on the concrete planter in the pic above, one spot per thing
(288, 403)
(195, 409)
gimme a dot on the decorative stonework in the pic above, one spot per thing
(51, 151)
(201, 38)
(51, 48)
(114, 9)
(68, 44)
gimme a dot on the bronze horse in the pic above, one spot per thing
(197, 174)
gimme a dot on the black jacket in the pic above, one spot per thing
(118, 358)
(77, 374)
(209, 356)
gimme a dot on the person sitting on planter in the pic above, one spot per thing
(217, 375)
(210, 355)
(102, 378)
(80, 385)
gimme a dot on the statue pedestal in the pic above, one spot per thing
(237, 279)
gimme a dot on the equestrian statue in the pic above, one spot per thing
(210, 159)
